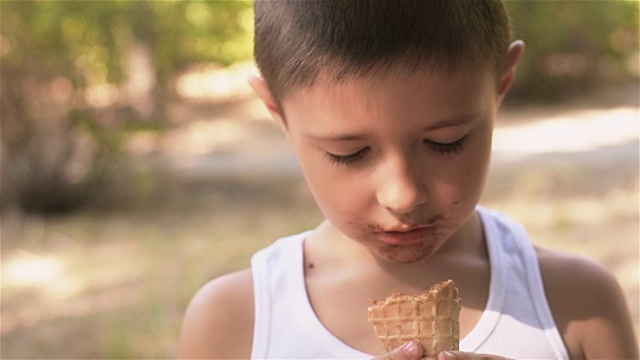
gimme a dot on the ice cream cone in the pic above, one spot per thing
(431, 318)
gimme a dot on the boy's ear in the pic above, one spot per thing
(514, 54)
(261, 89)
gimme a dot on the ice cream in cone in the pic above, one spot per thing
(431, 318)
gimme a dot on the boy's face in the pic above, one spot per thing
(397, 164)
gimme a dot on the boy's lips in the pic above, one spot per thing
(406, 236)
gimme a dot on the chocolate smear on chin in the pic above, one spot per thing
(405, 254)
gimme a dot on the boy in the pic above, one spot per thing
(389, 106)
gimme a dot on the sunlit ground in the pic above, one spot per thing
(115, 285)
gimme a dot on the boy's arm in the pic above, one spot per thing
(218, 323)
(589, 307)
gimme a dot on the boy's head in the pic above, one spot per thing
(297, 41)
(389, 107)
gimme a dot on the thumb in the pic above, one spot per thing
(410, 351)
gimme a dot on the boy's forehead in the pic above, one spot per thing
(427, 95)
(327, 85)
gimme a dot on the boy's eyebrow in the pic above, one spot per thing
(452, 121)
(341, 137)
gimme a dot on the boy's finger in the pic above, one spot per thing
(459, 355)
(409, 351)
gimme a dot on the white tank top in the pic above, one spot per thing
(516, 323)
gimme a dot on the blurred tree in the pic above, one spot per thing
(574, 46)
(78, 76)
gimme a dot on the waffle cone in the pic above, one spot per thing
(431, 318)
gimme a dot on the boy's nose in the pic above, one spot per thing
(401, 188)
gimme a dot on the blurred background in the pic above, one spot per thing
(136, 164)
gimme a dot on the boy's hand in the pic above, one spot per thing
(413, 351)
(460, 355)
(410, 351)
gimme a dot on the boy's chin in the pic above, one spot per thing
(405, 254)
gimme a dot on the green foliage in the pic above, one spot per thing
(87, 40)
(56, 55)
(573, 46)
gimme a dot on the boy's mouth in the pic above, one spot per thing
(408, 236)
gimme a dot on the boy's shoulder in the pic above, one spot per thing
(588, 305)
(219, 319)
(575, 276)
(572, 270)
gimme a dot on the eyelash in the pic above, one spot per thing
(347, 159)
(445, 149)
(449, 148)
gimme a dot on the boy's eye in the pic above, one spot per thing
(347, 159)
(447, 148)
(443, 148)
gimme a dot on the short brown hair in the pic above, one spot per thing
(298, 40)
